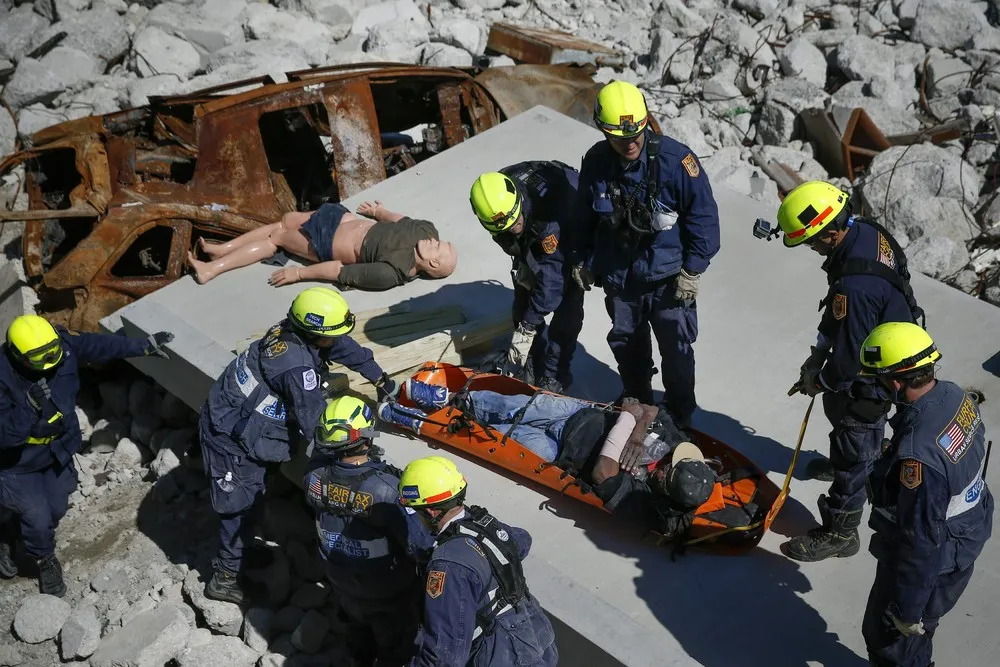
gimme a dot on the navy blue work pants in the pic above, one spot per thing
(40, 499)
(236, 485)
(855, 445)
(554, 345)
(635, 310)
(393, 622)
(887, 646)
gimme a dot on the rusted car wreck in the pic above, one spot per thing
(116, 201)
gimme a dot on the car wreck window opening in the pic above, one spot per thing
(55, 175)
(403, 104)
(299, 156)
(148, 254)
(61, 236)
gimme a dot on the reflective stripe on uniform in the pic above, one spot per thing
(496, 552)
(503, 610)
(968, 497)
(40, 441)
(245, 379)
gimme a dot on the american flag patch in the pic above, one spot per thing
(315, 486)
(952, 441)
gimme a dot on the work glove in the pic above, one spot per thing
(582, 276)
(156, 343)
(808, 382)
(520, 345)
(387, 389)
(38, 395)
(907, 629)
(686, 287)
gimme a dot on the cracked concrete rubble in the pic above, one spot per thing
(729, 79)
(136, 547)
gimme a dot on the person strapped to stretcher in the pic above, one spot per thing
(639, 463)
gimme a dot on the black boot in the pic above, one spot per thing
(50, 577)
(837, 537)
(225, 587)
(8, 568)
(820, 469)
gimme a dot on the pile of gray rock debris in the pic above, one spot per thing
(728, 77)
(136, 547)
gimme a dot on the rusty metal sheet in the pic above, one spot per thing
(216, 162)
(538, 46)
(563, 88)
(357, 148)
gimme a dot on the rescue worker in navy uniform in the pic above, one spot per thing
(259, 410)
(648, 229)
(868, 285)
(931, 509)
(476, 565)
(40, 432)
(526, 208)
(371, 543)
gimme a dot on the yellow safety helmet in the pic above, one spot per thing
(620, 110)
(34, 342)
(808, 208)
(346, 421)
(496, 201)
(897, 349)
(430, 481)
(321, 311)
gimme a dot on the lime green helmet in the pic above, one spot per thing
(431, 481)
(346, 423)
(808, 209)
(496, 201)
(897, 349)
(620, 110)
(33, 342)
(321, 311)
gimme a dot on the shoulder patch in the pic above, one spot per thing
(276, 349)
(435, 584)
(839, 306)
(691, 166)
(550, 243)
(911, 473)
(885, 254)
(309, 380)
(315, 487)
(957, 437)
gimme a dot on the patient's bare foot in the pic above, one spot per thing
(199, 269)
(213, 250)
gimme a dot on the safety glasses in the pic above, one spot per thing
(43, 357)
(626, 126)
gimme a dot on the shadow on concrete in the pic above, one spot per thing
(992, 365)
(723, 610)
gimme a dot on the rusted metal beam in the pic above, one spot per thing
(83, 211)
(537, 46)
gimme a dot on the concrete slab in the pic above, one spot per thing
(609, 589)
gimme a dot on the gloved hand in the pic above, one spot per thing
(582, 276)
(156, 343)
(387, 389)
(907, 629)
(808, 382)
(686, 287)
(520, 345)
(38, 395)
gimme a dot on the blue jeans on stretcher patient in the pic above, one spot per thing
(538, 429)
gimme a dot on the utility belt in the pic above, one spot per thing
(502, 555)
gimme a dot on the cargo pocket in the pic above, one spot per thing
(235, 483)
(529, 634)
